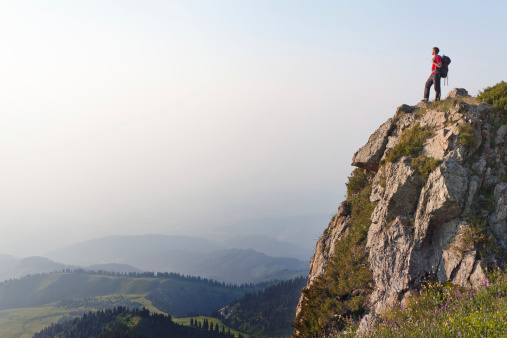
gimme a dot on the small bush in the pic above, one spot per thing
(466, 135)
(358, 180)
(486, 199)
(496, 95)
(425, 165)
(410, 144)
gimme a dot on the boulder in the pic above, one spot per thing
(457, 92)
(368, 157)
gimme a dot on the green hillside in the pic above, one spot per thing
(32, 303)
(177, 294)
(269, 312)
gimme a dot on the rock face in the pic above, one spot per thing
(368, 157)
(423, 225)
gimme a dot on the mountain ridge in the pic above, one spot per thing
(188, 255)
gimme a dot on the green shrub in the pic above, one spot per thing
(410, 144)
(486, 199)
(330, 299)
(466, 135)
(358, 180)
(425, 165)
(496, 95)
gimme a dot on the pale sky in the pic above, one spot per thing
(181, 117)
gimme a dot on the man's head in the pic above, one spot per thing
(435, 51)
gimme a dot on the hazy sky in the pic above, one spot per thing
(134, 117)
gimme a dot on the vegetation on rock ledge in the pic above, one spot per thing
(410, 144)
(341, 291)
(425, 165)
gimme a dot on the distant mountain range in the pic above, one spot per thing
(237, 260)
(11, 267)
(244, 259)
(14, 268)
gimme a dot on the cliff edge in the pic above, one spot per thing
(428, 200)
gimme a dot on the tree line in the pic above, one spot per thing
(161, 275)
(123, 322)
(268, 312)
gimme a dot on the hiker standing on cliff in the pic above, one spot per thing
(434, 79)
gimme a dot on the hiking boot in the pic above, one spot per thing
(424, 100)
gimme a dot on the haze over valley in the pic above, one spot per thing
(176, 168)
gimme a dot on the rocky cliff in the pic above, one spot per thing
(428, 200)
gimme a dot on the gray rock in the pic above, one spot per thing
(457, 155)
(498, 219)
(433, 119)
(404, 108)
(478, 277)
(465, 269)
(402, 186)
(442, 198)
(500, 135)
(405, 121)
(389, 261)
(473, 188)
(368, 157)
(367, 326)
(457, 92)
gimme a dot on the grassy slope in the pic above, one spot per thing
(29, 305)
(40, 290)
(24, 322)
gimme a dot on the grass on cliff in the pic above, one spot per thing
(425, 165)
(466, 135)
(410, 144)
(447, 104)
(342, 290)
(447, 310)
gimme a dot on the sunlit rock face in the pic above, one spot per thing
(423, 222)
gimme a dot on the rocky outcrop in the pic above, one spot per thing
(424, 224)
(457, 92)
(368, 157)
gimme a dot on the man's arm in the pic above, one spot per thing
(439, 65)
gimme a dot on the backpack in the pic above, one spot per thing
(445, 66)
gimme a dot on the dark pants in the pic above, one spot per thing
(434, 79)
